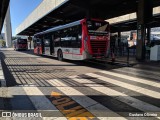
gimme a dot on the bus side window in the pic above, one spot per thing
(63, 38)
(77, 37)
(66, 38)
(57, 39)
(69, 37)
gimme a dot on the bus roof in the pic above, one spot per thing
(19, 39)
(60, 27)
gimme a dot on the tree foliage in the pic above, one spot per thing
(2, 43)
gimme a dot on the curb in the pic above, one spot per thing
(3, 85)
(2, 78)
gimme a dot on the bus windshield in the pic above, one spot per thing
(97, 28)
(22, 41)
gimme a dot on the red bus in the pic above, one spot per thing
(20, 44)
(80, 40)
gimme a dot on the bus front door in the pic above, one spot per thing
(46, 46)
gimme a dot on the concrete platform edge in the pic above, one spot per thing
(2, 78)
(3, 85)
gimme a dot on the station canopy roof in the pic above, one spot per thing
(3, 9)
(73, 10)
(128, 25)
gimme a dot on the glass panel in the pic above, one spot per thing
(97, 28)
(71, 37)
(22, 41)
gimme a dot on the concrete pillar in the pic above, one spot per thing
(144, 16)
(7, 28)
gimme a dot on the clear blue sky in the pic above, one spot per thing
(20, 9)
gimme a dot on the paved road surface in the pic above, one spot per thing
(78, 90)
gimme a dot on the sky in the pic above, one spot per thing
(19, 10)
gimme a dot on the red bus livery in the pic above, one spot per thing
(80, 40)
(20, 44)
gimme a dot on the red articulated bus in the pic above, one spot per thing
(80, 40)
(20, 44)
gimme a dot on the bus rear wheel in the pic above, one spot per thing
(60, 55)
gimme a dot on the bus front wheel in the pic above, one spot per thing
(60, 55)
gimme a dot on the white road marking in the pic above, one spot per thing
(144, 91)
(148, 71)
(39, 100)
(140, 80)
(85, 101)
(143, 106)
(85, 81)
(57, 83)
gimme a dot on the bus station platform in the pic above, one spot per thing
(72, 90)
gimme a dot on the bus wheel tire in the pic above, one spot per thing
(60, 55)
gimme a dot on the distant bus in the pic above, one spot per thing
(20, 44)
(80, 40)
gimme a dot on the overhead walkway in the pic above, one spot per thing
(3, 9)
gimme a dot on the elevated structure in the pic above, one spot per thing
(3, 9)
(129, 21)
(39, 19)
(71, 10)
(7, 28)
(51, 13)
(131, 16)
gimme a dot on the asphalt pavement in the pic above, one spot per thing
(77, 89)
